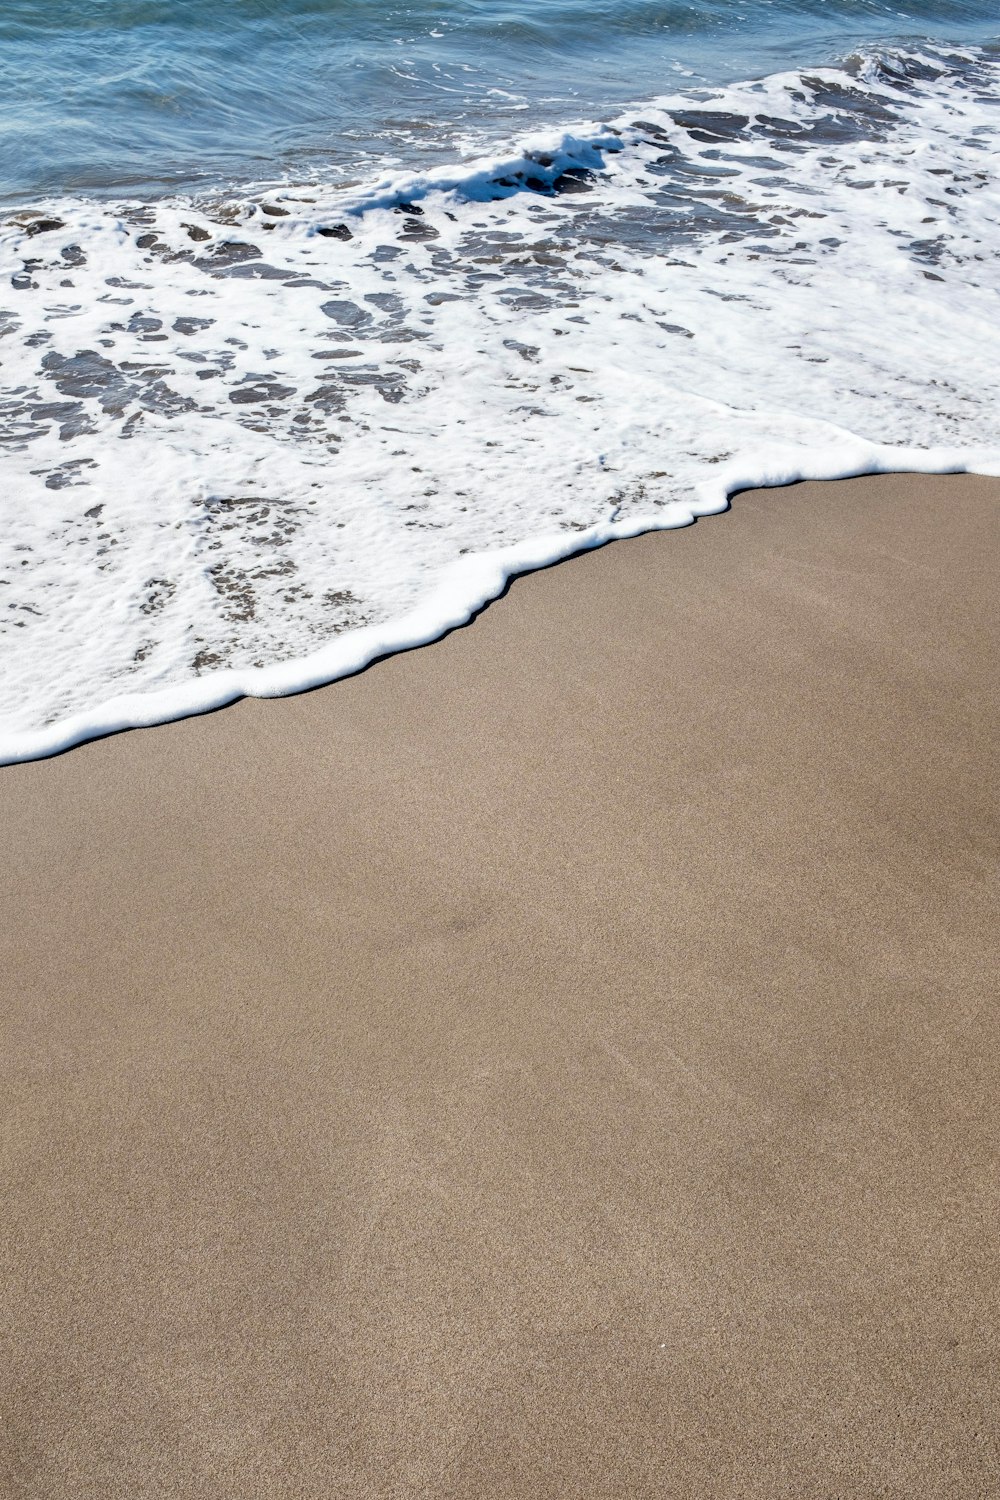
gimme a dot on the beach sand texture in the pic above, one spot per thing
(561, 1061)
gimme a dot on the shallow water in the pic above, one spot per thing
(159, 95)
(284, 394)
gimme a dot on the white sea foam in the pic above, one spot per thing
(252, 447)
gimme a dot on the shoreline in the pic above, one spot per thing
(560, 1060)
(468, 587)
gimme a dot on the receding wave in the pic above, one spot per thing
(252, 443)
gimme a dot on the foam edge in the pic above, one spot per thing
(472, 583)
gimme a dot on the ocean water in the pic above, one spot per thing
(319, 320)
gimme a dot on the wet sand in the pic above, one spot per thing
(561, 1061)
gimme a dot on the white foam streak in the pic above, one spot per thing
(467, 587)
(252, 451)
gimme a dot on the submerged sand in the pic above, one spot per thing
(561, 1061)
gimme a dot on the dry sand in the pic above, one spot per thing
(558, 1062)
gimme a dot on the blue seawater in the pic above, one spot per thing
(156, 95)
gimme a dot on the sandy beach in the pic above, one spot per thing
(558, 1062)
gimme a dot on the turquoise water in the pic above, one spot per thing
(103, 95)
